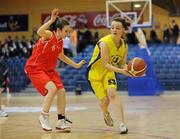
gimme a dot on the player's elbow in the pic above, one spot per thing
(105, 65)
(61, 56)
(39, 32)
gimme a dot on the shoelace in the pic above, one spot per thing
(66, 119)
(46, 120)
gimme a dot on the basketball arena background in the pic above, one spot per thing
(20, 19)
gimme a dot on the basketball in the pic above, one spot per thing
(137, 66)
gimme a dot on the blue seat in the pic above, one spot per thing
(170, 76)
(173, 70)
(67, 76)
(177, 77)
(164, 70)
(161, 76)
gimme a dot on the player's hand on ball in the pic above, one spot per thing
(82, 62)
(129, 74)
(140, 75)
(133, 75)
(126, 72)
(137, 67)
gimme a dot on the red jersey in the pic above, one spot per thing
(45, 54)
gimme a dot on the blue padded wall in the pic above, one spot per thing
(147, 85)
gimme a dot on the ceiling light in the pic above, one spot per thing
(137, 5)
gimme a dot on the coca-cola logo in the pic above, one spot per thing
(72, 19)
(99, 20)
(83, 19)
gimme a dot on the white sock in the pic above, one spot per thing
(121, 124)
(44, 113)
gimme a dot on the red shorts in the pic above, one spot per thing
(40, 78)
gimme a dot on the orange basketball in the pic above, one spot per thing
(137, 66)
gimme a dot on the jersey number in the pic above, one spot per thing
(111, 81)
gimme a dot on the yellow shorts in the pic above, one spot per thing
(100, 87)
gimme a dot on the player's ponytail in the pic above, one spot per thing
(58, 23)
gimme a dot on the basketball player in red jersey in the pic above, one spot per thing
(41, 69)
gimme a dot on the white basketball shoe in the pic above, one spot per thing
(63, 126)
(123, 129)
(3, 114)
(44, 121)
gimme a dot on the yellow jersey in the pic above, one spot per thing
(96, 70)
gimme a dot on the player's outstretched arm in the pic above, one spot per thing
(70, 62)
(43, 30)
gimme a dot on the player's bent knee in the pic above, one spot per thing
(51, 87)
(52, 90)
(111, 93)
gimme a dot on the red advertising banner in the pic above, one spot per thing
(79, 20)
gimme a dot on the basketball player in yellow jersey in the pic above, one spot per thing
(109, 53)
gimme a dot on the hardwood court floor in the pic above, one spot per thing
(156, 117)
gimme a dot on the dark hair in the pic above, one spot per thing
(173, 21)
(122, 20)
(58, 23)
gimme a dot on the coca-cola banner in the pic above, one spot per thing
(79, 20)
